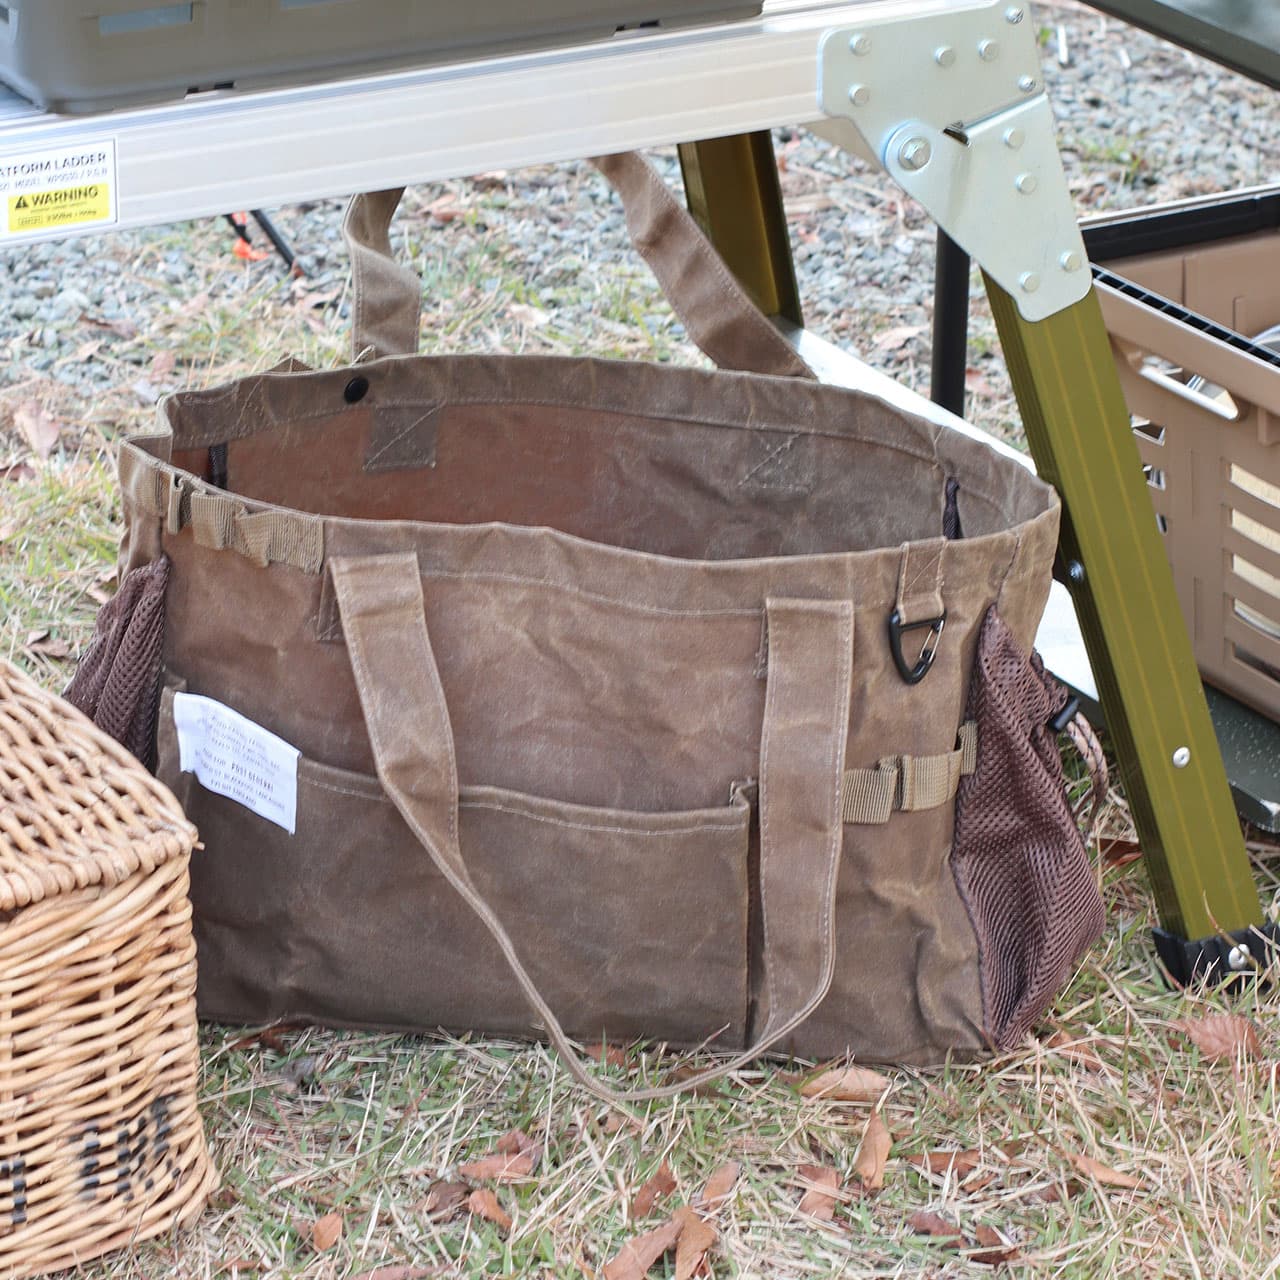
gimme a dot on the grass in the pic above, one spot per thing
(307, 1123)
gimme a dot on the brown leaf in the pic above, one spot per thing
(17, 472)
(819, 1200)
(924, 1222)
(996, 1250)
(163, 364)
(36, 427)
(872, 1154)
(49, 646)
(484, 1204)
(401, 1272)
(696, 1237)
(1100, 1172)
(846, 1084)
(515, 1141)
(958, 1163)
(1222, 1035)
(636, 1256)
(660, 1184)
(444, 1199)
(703, 1089)
(1119, 853)
(326, 1232)
(608, 1055)
(503, 1166)
(1069, 1047)
(721, 1184)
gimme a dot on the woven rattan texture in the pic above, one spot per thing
(1019, 859)
(100, 1141)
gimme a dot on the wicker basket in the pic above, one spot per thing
(100, 1140)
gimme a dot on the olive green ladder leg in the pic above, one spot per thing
(1078, 428)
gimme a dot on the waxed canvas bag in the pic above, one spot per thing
(627, 700)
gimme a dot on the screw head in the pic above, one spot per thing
(1071, 261)
(860, 44)
(915, 153)
(1027, 84)
(1075, 571)
(1182, 757)
(1026, 183)
(1238, 957)
(1013, 15)
(1014, 138)
(989, 50)
(1029, 281)
(944, 56)
(859, 95)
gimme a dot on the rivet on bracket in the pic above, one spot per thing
(1071, 261)
(989, 50)
(944, 56)
(1026, 183)
(859, 95)
(1027, 84)
(1014, 138)
(860, 44)
(1013, 15)
(1029, 281)
(915, 153)
(1182, 757)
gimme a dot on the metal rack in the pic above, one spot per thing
(946, 96)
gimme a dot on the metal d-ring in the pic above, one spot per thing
(913, 675)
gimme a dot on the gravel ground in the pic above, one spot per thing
(537, 259)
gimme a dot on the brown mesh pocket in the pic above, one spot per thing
(117, 681)
(1019, 860)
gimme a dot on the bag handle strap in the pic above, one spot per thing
(715, 310)
(802, 752)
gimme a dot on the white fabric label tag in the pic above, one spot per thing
(237, 758)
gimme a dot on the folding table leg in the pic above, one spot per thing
(1078, 427)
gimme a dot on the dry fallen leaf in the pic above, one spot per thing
(1101, 1173)
(400, 1273)
(484, 1204)
(36, 427)
(1073, 1050)
(17, 472)
(960, 1164)
(872, 1154)
(996, 1250)
(696, 1237)
(924, 1222)
(634, 1259)
(721, 1184)
(660, 1184)
(326, 1232)
(846, 1084)
(608, 1055)
(516, 1140)
(1222, 1035)
(819, 1199)
(163, 364)
(1119, 853)
(503, 1166)
(444, 1199)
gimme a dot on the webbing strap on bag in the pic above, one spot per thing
(906, 784)
(381, 605)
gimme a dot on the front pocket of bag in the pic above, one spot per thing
(1019, 860)
(631, 924)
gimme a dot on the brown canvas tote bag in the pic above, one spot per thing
(624, 700)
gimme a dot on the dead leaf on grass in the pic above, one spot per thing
(37, 427)
(444, 1200)
(924, 1222)
(634, 1259)
(1071, 1048)
(1222, 1035)
(1101, 1173)
(661, 1184)
(400, 1273)
(17, 472)
(163, 364)
(819, 1199)
(1119, 853)
(484, 1204)
(868, 1167)
(996, 1250)
(41, 643)
(326, 1232)
(721, 1183)
(959, 1163)
(608, 1055)
(696, 1237)
(846, 1084)
(504, 1165)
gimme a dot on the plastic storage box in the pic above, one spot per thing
(88, 55)
(1200, 366)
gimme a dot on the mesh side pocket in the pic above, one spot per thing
(1019, 860)
(117, 681)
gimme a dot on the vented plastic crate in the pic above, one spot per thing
(88, 55)
(1206, 411)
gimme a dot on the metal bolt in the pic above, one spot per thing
(1013, 15)
(1071, 261)
(1014, 138)
(1027, 183)
(1075, 571)
(1238, 957)
(915, 153)
(989, 50)
(944, 55)
(1182, 757)
(859, 95)
(860, 44)
(1027, 84)
(1029, 281)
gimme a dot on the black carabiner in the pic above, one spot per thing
(913, 675)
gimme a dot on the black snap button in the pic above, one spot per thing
(356, 390)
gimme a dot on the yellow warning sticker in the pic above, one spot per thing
(63, 207)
